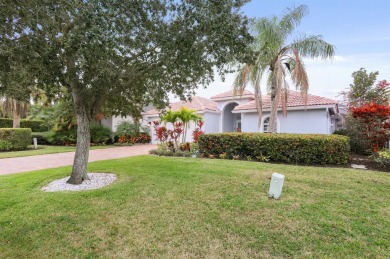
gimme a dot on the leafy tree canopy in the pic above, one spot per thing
(363, 90)
(128, 52)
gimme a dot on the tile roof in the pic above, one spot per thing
(197, 103)
(295, 99)
(230, 93)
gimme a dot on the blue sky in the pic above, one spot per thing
(360, 31)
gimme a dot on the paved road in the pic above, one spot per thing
(31, 163)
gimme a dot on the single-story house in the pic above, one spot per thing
(227, 112)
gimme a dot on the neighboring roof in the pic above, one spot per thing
(230, 94)
(197, 103)
(295, 99)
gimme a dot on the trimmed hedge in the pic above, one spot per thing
(14, 139)
(34, 125)
(6, 123)
(288, 148)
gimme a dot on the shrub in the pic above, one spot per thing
(63, 136)
(34, 125)
(6, 123)
(161, 152)
(99, 133)
(342, 132)
(290, 148)
(383, 157)
(374, 119)
(14, 139)
(358, 141)
(142, 138)
(127, 129)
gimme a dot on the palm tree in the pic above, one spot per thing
(278, 59)
(13, 108)
(186, 116)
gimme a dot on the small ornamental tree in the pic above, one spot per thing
(375, 119)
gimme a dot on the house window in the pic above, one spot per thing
(266, 124)
(237, 125)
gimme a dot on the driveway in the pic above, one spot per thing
(31, 163)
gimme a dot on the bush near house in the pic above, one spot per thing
(288, 148)
(14, 139)
(34, 125)
(68, 136)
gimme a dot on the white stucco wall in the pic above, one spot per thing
(310, 121)
(211, 122)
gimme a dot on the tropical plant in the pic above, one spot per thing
(127, 129)
(198, 131)
(186, 116)
(99, 133)
(279, 59)
(170, 117)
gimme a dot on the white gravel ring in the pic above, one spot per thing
(97, 180)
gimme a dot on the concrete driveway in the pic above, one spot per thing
(31, 163)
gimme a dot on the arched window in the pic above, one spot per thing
(266, 124)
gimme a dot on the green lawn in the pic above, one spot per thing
(182, 207)
(42, 150)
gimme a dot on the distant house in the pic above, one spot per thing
(227, 112)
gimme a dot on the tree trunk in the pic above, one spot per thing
(80, 164)
(259, 105)
(274, 105)
(16, 114)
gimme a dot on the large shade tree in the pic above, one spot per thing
(122, 54)
(279, 58)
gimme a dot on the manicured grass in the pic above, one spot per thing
(42, 150)
(182, 207)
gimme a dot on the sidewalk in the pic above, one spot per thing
(31, 163)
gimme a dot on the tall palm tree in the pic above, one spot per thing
(277, 59)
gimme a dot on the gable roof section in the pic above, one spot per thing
(230, 94)
(197, 103)
(295, 99)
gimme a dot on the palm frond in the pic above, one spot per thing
(299, 75)
(313, 46)
(292, 18)
(242, 79)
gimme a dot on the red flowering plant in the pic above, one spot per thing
(375, 119)
(169, 135)
(198, 131)
(176, 133)
(162, 134)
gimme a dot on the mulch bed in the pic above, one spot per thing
(368, 161)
